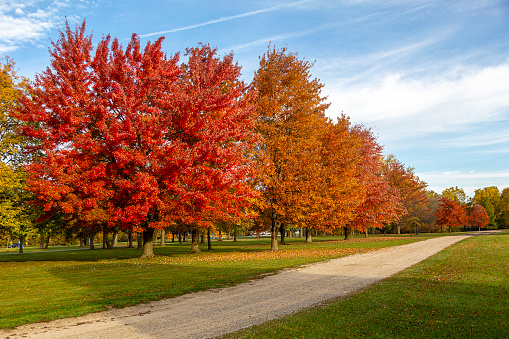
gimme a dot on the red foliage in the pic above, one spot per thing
(132, 138)
(382, 202)
(478, 217)
(451, 213)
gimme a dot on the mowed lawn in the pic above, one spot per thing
(461, 292)
(49, 285)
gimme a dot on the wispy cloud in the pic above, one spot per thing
(231, 17)
(278, 37)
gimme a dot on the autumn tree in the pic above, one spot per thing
(455, 193)
(16, 215)
(132, 138)
(411, 189)
(504, 207)
(489, 198)
(339, 191)
(451, 213)
(478, 217)
(289, 116)
(381, 202)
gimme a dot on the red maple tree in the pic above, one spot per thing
(381, 203)
(451, 213)
(132, 138)
(478, 217)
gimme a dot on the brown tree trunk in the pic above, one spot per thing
(366, 233)
(82, 241)
(148, 242)
(300, 232)
(90, 241)
(273, 236)
(155, 236)
(399, 228)
(41, 244)
(106, 240)
(202, 238)
(86, 240)
(282, 231)
(195, 239)
(220, 236)
(114, 240)
(180, 238)
(139, 240)
(130, 239)
(163, 237)
(308, 235)
(234, 235)
(21, 242)
(348, 233)
(209, 241)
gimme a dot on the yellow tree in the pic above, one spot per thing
(489, 198)
(289, 115)
(15, 214)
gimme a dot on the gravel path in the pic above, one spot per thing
(216, 312)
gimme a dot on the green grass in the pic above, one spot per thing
(42, 286)
(461, 292)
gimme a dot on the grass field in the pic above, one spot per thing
(41, 286)
(461, 292)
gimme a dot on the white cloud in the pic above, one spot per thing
(402, 107)
(24, 22)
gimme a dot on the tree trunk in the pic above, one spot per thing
(300, 232)
(90, 241)
(366, 233)
(139, 240)
(41, 244)
(130, 239)
(195, 239)
(209, 241)
(21, 242)
(273, 236)
(114, 240)
(86, 240)
(180, 238)
(282, 231)
(399, 229)
(47, 242)
(163, 237)
(202, 238)
(348, 233)
(220, 236)
(106, 241)
(308, 235)
(82, 241)
(148, 242)
(235, 235)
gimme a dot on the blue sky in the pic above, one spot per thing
(431, 78)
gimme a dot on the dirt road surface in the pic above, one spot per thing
(212, 313)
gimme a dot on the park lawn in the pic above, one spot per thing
(50, 285)
(461, 292)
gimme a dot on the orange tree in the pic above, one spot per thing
(131, 138)
(412, 190)
(478, 217)
(451, 213)
(380, 201)
(290, 117)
